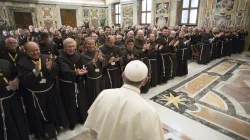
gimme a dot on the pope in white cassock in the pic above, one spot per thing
(122, 114)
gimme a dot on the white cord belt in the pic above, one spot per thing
(76, 89)
(94, 78)
(35, 99)
(110, 80)
(3, 114)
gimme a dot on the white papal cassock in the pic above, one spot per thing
(122, 114)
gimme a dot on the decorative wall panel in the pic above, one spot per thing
(2, 16)
(127, 14)
(242, 5)
(224, 5)
(94, 16)
(225, 12)
(207, 20)
(47, 15)
(161, 14)
(162, 8)
(239, 19)
(222, 20)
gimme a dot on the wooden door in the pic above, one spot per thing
(68, 17)
(23, 19)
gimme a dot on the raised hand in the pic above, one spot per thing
(37, 66)
(171, 43)
(111, 60)
(176, 43)
(95, 58)
(14, 84)
(129, 57)
(100, 56)
(146, 46)
(48, 64)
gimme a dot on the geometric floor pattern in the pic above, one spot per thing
(218, 97)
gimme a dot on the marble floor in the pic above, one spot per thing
(212, 102)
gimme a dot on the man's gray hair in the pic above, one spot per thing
(67, 41)
(130, 32)
(7, 39)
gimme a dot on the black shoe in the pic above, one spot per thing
(71, 127)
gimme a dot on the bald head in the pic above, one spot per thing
(32, 50)
(110, 42)
(172, 34)
(151, 37)
(118, 38)
(140, 35)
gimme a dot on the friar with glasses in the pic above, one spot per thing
(95, 64)
(11, 52)
(37, 73)
(112, 72)
(71, 82)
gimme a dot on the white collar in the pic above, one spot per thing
(132, 88)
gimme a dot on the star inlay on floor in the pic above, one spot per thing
(217, 97)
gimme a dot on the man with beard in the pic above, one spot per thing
(172, 55)
(36, 72)
(151, 53)
(26, 37)
(95, 64)
(139, 40)
(206, 51)
(95, 37)
(164, 61)
(46, 46)
(119, 42)
(107, 32)
(181, 55)
(57, 38)
(13, 125)
(195, 43)
(66, 33)
(71, 77)
(115, 63)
